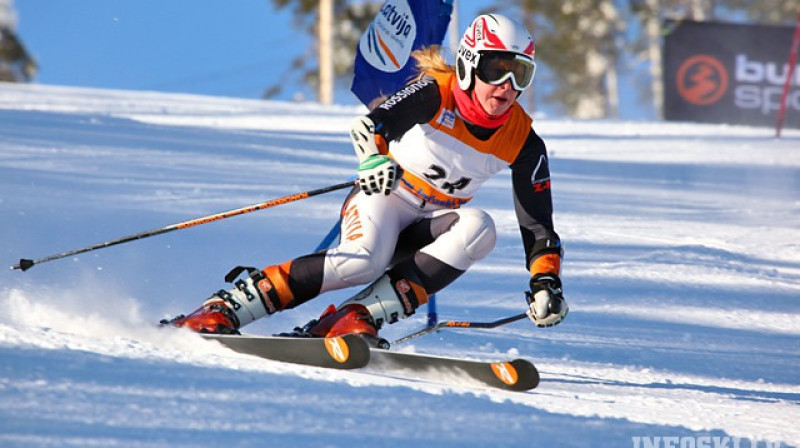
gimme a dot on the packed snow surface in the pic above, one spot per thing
(682, 272)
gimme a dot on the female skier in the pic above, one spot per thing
(422, 153)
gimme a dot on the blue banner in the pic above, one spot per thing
(383, 64)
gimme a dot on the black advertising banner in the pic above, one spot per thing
(725, 73)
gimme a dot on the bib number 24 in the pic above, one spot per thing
(437, 176)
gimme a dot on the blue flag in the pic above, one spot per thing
(383, 64)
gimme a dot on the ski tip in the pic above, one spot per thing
(357, 346)
(337, 349)
(517, 375)
(23, 265)
(527, 373)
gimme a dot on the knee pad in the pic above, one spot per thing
(469, 239)
(476, 229)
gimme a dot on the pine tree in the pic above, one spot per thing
(16, 65)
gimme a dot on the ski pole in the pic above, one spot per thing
(25, 264)
(460, 324)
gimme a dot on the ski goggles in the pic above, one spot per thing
(496, 67)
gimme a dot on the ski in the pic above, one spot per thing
(514, 375)
(354, 352)
(341, 352)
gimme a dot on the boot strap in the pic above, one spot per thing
(235, 272)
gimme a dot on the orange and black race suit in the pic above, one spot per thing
(445, 159)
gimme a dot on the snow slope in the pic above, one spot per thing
(682, 273)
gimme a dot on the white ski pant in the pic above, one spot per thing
(370, 228)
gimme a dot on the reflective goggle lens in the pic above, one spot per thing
(495, 68)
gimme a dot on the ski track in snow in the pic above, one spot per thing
(682, 273)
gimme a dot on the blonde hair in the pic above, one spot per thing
(428, 59)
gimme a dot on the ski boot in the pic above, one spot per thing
(387, 300)
(215, 316)
(347, 319)
(227, 311)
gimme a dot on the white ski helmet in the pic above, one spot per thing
(489, 34)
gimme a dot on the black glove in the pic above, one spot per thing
(546, 304)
